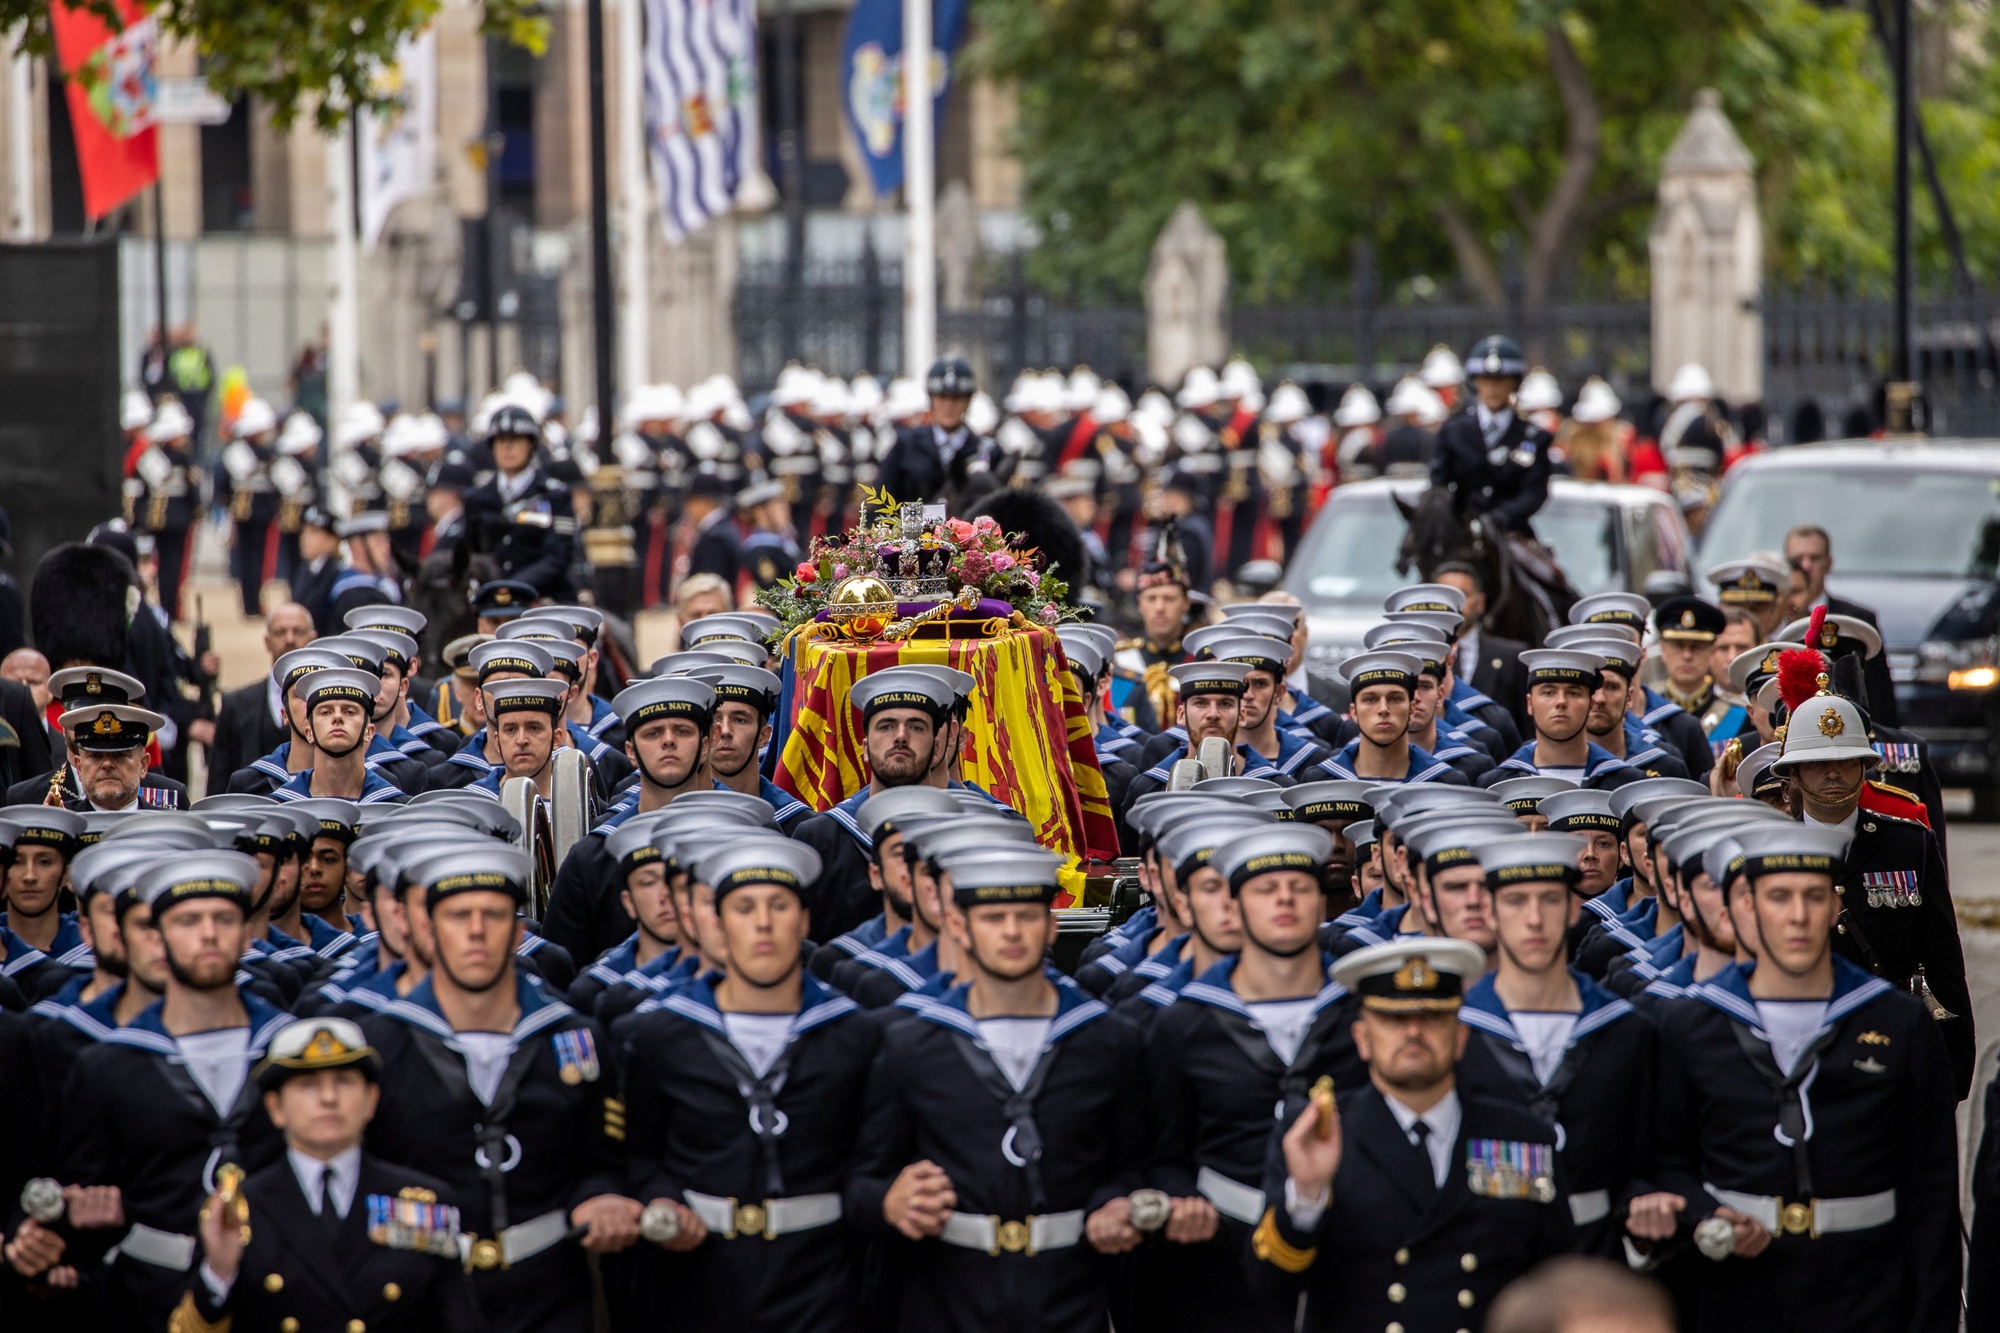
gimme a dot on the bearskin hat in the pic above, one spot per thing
(1046, 527)
(77, 605)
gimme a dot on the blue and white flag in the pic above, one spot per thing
(873, 64)
(701, 107)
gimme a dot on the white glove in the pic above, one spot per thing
(239, 460)
(400, 481)
(155, 467)
(704, 441)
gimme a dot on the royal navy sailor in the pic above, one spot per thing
(508, 1095)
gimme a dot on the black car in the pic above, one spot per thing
(1916, 538)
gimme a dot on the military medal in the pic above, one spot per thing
(576, 1051)
(419, 1224)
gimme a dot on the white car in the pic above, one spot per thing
(1606, 537)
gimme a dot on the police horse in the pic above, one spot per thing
(1527, 592)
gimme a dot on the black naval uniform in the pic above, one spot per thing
(936, 1093)
(134, 1117)
(1868, 1105)
(1897, 917)
(156, 792)
(303, 1274)
(706, 1130)
(1213, 1079)
(531, 537)
(1393, 1248)
(1598, 1102)
(556, 1117)
(169, 513)
(1507, 480)
(253, 502)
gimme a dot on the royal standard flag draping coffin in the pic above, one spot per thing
(1028, 738)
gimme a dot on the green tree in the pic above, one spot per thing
(292, 55)
(1462, 136)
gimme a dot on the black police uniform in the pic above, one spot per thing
(701, 1120)
(1395, 1249)
(134, 1117)
(1867, 1107)
(1598, 1102)
(556, 1118)
(531, 537)
(1212, 1081)
(936, 1094)
(304, 1274)
(1897, 916)
(1506, 479)
(929, 463)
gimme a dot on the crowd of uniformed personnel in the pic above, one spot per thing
(1480, 955)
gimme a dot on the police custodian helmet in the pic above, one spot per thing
(1496, 354)
(950, 377)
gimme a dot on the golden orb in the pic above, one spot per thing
(857, 590)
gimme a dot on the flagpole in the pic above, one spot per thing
(21, 139)
(343, 325)
(635, 216)
(919, 188)
(603, 297)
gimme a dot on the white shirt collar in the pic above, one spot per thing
(512, 488)
(1849, 823)
(1489, 421)
(346, 1177)
(1468, 654)
(1443, 1119)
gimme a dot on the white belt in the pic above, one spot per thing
(1589, 1206)
(1232, 1198)
(524, 1240)
(770, 1219)
(1820, 1217)
(1050, 1231)
(162, 1249)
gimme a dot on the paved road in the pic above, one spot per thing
(1975, 885)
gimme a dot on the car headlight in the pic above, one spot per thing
(1969, 665)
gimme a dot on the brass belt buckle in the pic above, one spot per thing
(1013, 1237)
(485, 1255)
(1796, 1218)
(753, 1219)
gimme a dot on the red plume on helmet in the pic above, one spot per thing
(1800, 669)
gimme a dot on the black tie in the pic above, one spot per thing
(329, 1211)
(1420, 1142)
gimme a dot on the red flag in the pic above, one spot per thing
(108, 78)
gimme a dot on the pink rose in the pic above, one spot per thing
(840, 571)
(1049, 614)
(1002, 562)
(961, 531)
(986, 524)
(1031, 578)
(806, 572)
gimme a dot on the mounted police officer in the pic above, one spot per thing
(521, 517)
(933, 460)
(1491, 456)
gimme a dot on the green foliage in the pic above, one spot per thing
(294, 55)
(1305, 126)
